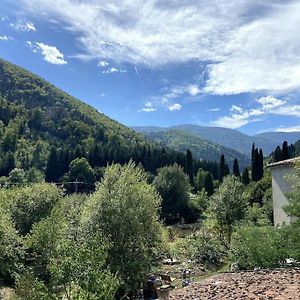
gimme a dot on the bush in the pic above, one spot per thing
(205, 247)
(263, 247)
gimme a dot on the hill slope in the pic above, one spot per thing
(226, 137)
(280, 137)
(202, 149)
(42, 126)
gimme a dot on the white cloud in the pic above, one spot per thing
(240, 117)
(102, 94)
(193, 90)
(288, 129)
(113, 70)
(174, 107)
(148, 107)
(23, 25)
(103, 64)
(214, 109)
(50, 53)
(5, 38)
(252, 46)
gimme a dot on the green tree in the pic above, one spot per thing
(200, 179)
(228, 205)
(52, 167)
(285, 151)
(80, 267)
(11, 251)
(209, 184)
(173, 185)
(236, 169)
(190, 166)
(245, 177)
(125, 209)
(29, 205)
(222, 170)
(17, 176)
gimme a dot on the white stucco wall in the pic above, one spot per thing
(280, 186)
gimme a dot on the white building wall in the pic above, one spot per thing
(280, 186)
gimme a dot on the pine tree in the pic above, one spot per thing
(51, 174)
(222, 170)
(285, 151)
(209, 184)
(236, 169)
(255, 165)
(245, 176)
(190, 166)
(260, 165)
(277, 154)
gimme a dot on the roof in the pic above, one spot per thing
(285, 163)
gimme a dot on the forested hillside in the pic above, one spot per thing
(201, 148)
(226, 137)
(43, 130)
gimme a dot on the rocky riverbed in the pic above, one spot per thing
(255, 285)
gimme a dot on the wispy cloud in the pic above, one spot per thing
(251, 46)
(149, 107)
(50, 53)
(23, 25)
(103, 64)
(174, 107)
(240, 117)
(213, 109)
(113, 70)
(288, 129)
(5, 38)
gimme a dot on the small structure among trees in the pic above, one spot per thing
(281, 186)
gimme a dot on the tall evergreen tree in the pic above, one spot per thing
(260, 164)
(277, 154)
(52, 167)
(209, 184)
(255, 165)
(285, 151)
(222, 170)
(236, 169)
(190, 166)
(245, 176)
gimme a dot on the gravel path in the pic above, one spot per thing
(256, 285)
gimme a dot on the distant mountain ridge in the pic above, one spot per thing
(231, 138)
(202, 149)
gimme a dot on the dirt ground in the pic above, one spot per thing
(254, 285)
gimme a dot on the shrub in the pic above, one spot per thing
(205, 247)
(257, 247)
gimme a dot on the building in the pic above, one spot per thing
(280, 187)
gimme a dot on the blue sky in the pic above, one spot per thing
(225, 63)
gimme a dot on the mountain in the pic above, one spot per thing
(43, 128)
(201, 149)
(229, 138)
(280, 137)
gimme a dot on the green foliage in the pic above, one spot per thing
(125, 209)
(228, 205)
(80, 266)
(11, 251)
(205, 247)
(245, 177)
(256, 216)
(264, 247)
(29, 205)
(81, 171)
(173, 186)
(17, 176)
